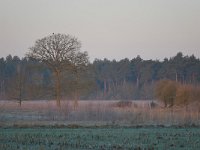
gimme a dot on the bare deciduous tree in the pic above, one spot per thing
(59, 52)
(16, 91)
(79, 63)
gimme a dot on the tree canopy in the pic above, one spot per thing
(59, 52)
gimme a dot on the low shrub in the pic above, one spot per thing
(122, 104)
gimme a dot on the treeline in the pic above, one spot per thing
(25, 79)
(136, 78)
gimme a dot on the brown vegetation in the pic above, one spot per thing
(91, 113)
(124, 104)
(173, 93)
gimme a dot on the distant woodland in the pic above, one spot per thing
(29, 79)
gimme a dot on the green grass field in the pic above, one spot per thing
(100, 138)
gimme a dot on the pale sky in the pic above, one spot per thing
(113, 29)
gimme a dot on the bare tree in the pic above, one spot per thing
(79, 64)
(58, 51)
(16, 91)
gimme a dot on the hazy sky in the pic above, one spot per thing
(114, 29)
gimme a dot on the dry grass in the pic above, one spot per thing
(95, 113)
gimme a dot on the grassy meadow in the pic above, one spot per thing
(91, 113)
(101, 125)
(100, 138)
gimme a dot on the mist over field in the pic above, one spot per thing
(95, 113)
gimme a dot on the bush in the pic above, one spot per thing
(187, 94)
(124, 104)
(170, 93)
(183, 95)
(166, 92)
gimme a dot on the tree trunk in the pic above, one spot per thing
(105, 88)
(20, 85)
(76, 98)
(58, 87)
(20, 102)
(20, 95)
(138, 81)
